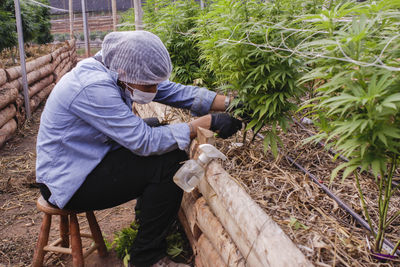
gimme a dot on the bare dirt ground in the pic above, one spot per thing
(20, 220)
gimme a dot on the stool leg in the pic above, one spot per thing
(42, 241)
(96, 233)
(76, 242)
(64, 231)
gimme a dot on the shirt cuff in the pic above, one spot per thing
(181, 134)
(202, 102)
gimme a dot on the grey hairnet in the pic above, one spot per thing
(139, 57)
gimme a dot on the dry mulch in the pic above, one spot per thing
(325, 233)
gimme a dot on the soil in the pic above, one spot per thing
(20, 220)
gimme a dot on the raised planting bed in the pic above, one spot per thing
(288, 201)
(43, 73)
(224, 225)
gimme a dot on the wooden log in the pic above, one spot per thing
(15, 72)
(229, 224)
(61, 66)
(41, 96)
(7, 114)
(209, 256)
(39, 74)
(3, 77)
(38, 62)
(272, 246)
(183, 220)
(13, 84)
(7, 131)
(66, 69)
(216, 234)
(187, 205)
(38, 86)
(56, 53)
(7, 96)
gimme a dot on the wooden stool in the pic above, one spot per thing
(61, 245)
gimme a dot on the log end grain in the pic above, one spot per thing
(3, 77)
(7, 131)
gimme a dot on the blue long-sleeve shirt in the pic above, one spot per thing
(87, 114)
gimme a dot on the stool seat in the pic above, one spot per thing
(69, 227)
(46, 207)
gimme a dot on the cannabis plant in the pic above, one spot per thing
(358, 108)
(235, 39)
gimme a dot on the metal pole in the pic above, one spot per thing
(114, 14)
(138, 14)
(85, 28)
(22, 58)
(71, 20)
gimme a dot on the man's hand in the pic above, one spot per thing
(224, 124)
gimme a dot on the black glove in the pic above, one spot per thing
(224, 124)
(152, 121)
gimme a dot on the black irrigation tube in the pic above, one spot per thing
(330, 150)
(343, 205)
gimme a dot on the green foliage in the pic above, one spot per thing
(124, 239)
(358, 107)
(232, 39)
(174, 244)
(93, 36)
(7, 30)
(35, 23)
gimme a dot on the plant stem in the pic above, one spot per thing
(395, 248)
(364, 206)
(394, 217)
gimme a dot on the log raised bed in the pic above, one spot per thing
(223, 224)
(42, 72)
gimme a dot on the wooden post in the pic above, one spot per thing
(22, 58)
(71, 20)
(85, 28)
(114, 14)
(138, 14)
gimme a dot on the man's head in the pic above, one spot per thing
(139, 57)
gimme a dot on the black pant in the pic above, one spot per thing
(122, 176)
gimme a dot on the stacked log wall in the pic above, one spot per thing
(42, 75)
(224, 226)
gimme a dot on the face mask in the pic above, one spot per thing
(140, 97)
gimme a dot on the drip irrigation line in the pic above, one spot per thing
(343, 205)
(331, 150)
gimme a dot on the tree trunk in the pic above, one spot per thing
(216, 234)
(7, 114)
(7, 96)
(7, 131)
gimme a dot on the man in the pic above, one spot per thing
(94, 153)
